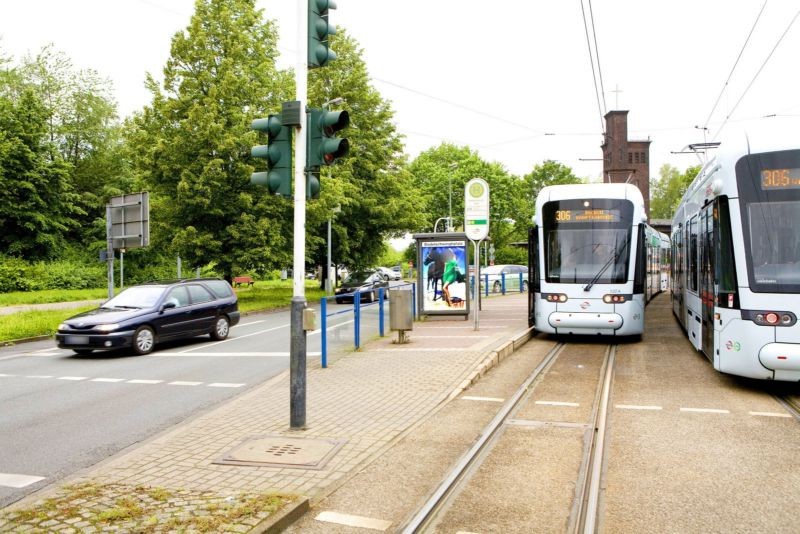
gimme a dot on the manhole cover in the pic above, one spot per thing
(282, 451)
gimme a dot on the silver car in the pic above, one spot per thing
(514, 276)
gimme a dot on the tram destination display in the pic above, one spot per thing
(772, 179)
(587, 215)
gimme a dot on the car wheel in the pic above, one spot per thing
(221, 328)
(144, 339)
(83, 352)
(524, 286)
(339, 301)
(496, 287)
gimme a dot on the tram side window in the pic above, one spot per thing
(726, 265)
(693, 251)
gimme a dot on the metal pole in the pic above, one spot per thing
(109, 252)
(477, 247)
(121, 269)
(450, 208)
(297, 348)
(328, 284)
(179, 266)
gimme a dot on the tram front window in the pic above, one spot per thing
(775, 243)
(769, 191)
(587, 243)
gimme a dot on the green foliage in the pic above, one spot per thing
(19, 275)
(191, 146)
(667, 191)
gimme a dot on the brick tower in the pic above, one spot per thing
(624, 160)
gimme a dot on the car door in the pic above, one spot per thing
(172, 322)
(203, 309)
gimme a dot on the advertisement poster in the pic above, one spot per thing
(443, 276)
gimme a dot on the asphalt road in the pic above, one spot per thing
(63, 413)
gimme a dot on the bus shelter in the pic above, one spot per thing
(442, 274)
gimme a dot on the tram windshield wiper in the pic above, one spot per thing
(614, 257)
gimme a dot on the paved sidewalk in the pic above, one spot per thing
(357, 408)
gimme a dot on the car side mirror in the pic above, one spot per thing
(167, 305)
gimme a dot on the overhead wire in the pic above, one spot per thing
(730, 75)
(761, 68)
(591, 61)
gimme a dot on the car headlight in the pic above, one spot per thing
(106, 327)
(63, 326)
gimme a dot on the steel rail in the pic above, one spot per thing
(430, 510)
(593, 462)
(793, 407)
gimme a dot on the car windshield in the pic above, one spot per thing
(357, 278)
(136, 297)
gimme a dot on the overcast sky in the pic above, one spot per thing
(509, 78)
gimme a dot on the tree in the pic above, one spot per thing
(191, 146)
(37, 203)
(371, 186)
(667, 191)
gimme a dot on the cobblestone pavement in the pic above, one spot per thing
(356, 409)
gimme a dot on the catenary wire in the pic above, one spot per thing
(591, 61)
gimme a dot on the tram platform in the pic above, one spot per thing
(357, 408)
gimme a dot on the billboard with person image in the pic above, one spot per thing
(442, 274)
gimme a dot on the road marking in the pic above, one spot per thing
(183, 383)
(770, 414)
(39, 376)
(141, 381)
(107, 379)
(225, 385)
(558, 403)
(483, 399)
(231, 354)
(237, 337)
(637, 407)
(704, 410)
(354, 521)
(75, 378)
(11, 480)
(3, 374)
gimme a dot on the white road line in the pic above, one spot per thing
(11, 480)
(704, 410)
(141, 381)
(225, 385)
(101, 379)
(39, 376)
(183, 383)
(483, 399)
(3, 374)
(637, 407)
(354, 521)
(237, 337)
(75, 378)
(770, 414)
(229, 354)
(558, 403)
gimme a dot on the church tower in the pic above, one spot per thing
(624, 160)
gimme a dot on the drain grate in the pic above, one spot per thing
(282, 451)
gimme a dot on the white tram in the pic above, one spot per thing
(591, 273)
(736, 244)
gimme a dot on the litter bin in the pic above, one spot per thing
(400, 312)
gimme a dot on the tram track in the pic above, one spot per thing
(583, 513)
(792, 405)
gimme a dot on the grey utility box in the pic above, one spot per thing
(400, 311)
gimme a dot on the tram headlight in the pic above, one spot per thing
(614, 299)
(786, 319)
(556, 297)
(773, 318)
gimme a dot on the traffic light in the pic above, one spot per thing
(323, 147)
(277, 152)
(312, 185)
(319, 54)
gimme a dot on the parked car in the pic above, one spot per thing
(389, 274)
(143, 315)
(367, 282)
(496, 273)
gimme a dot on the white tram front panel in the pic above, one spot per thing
(738, 265)
(588, 242)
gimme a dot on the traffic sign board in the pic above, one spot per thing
(476, 209)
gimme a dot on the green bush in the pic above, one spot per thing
(19, 275)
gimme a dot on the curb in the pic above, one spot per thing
(492, 359)
(284, 518)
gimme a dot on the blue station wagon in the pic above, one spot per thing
(143, 315)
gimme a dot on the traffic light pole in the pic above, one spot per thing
(297, 348)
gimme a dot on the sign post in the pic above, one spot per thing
(476, 225)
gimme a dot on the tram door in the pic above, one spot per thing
(707, 270)
(533, 273)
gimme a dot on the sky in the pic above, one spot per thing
(511, 79)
